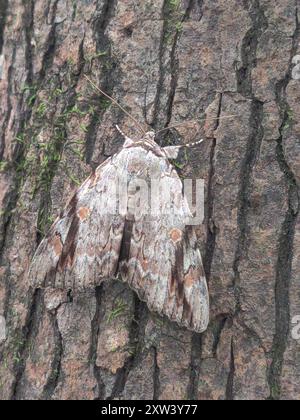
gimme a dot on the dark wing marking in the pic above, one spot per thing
(162, 263)
(82, 247)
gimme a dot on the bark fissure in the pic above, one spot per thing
(169, 10)
(103, 19)
(160, 82)
(249, 47)
(45, 199)
(196, 353)
(54, 376)
(136, 339)
(3, 10)
(231, 375)
(27, 19)
(286, 239)
(28, 332)
(29, 24)
(156, 381)
(49, 53)
(58, 144)
(207, 260)
(244, 79)
(211, 227)
(94, 344)
(19, 149)
(245, 88)
(174, 64)
(253, 149)
(108, 77)
(220, 325)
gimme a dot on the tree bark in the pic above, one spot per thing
(165, 61)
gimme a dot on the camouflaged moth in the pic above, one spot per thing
(157, 256)
(98, 237)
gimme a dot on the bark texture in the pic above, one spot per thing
(167, 61)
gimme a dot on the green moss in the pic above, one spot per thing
(42, 144)
(91, 57)
(45, 221)
(173, 4)
(119, 309)
(180, 164)
(31, 92)
(20, 138)
(173, 20)
(104, 104)
(3, 165)
(84, 128)
(41, 109)
(15, 348)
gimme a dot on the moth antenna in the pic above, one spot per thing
(120, 131)
(193, 144)
(173, 151)
(195, 122)
(128, 140)
(116, 103)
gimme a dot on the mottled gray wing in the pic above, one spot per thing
(161, 261)
(82, 247)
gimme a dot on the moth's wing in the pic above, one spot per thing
(161, 261)
(82, 247)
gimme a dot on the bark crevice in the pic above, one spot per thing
(108, 76)
(27, 336)
(211, 227)
(252, 153)
(231, 375)
(286, 239)
(3, 10)
(171, 31)
(196, 354)
(245, 88)
(136, 339)
(54, 376)
(249, 47)
(156, 381)
(94, 344)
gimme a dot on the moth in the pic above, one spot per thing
(100, 236)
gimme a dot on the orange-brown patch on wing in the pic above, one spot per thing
(57, 245)
(83, 213)
(175, 235)
(91, 251)
(145, 264)
(94, 179)
(190, 277)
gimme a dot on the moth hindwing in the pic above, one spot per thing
(113, 226)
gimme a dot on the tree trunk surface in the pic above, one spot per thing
(166, 61)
